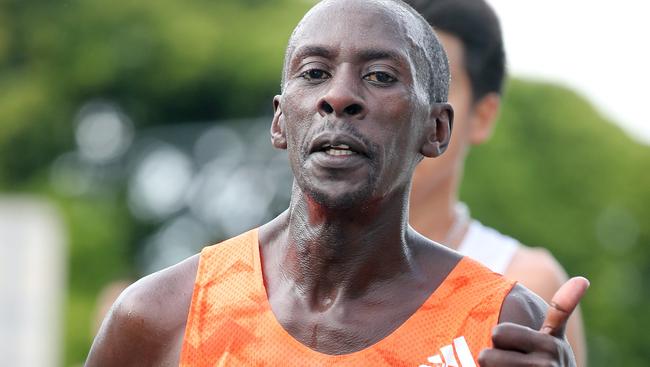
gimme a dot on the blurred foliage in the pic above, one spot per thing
(162, 61)
(556, 173)
(99, 238)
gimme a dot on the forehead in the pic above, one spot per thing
(354, 26)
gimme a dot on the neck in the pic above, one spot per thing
(433, 213)
(336, 254)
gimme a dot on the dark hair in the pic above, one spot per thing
(476, 25)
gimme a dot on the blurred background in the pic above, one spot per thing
(134, 133)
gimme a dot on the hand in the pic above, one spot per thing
(517, 345)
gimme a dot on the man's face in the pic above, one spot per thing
(431, 172)
(351, 111)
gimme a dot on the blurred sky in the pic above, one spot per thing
(597, 47)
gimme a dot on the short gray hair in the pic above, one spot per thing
(429, 54)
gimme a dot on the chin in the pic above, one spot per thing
(339, 196)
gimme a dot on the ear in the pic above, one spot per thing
(438, 130)
(278, 135)
(484, 117)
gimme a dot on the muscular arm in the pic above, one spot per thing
(540, 272)
(526, 336)
(523, 307)
(145, 325)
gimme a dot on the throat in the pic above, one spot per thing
(327, 271)
(340, 325)
(323, 304)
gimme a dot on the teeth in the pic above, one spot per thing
(337, 146)
(339, 152)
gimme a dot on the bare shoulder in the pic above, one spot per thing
(538, 270)
(523, 307)
(145, 324)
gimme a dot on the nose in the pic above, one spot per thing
(342, 97)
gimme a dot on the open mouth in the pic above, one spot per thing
(338, 145)
(337, 150)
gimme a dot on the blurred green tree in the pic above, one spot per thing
(559, 175)
(161, 61)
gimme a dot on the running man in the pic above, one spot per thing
(340, 278)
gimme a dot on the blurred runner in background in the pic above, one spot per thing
(471, 35)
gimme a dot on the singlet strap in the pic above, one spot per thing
(489, 247)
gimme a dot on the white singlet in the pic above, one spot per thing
(488, 246)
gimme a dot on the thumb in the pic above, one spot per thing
(563, 303)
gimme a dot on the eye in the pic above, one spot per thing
(315, 75)
(380, 77)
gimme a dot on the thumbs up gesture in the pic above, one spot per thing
(520, 340)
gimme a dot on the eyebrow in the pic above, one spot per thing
(378, 54)
(364, 55)
(306, 51)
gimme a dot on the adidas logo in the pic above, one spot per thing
(448, 354)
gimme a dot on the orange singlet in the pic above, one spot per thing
(230, 322)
